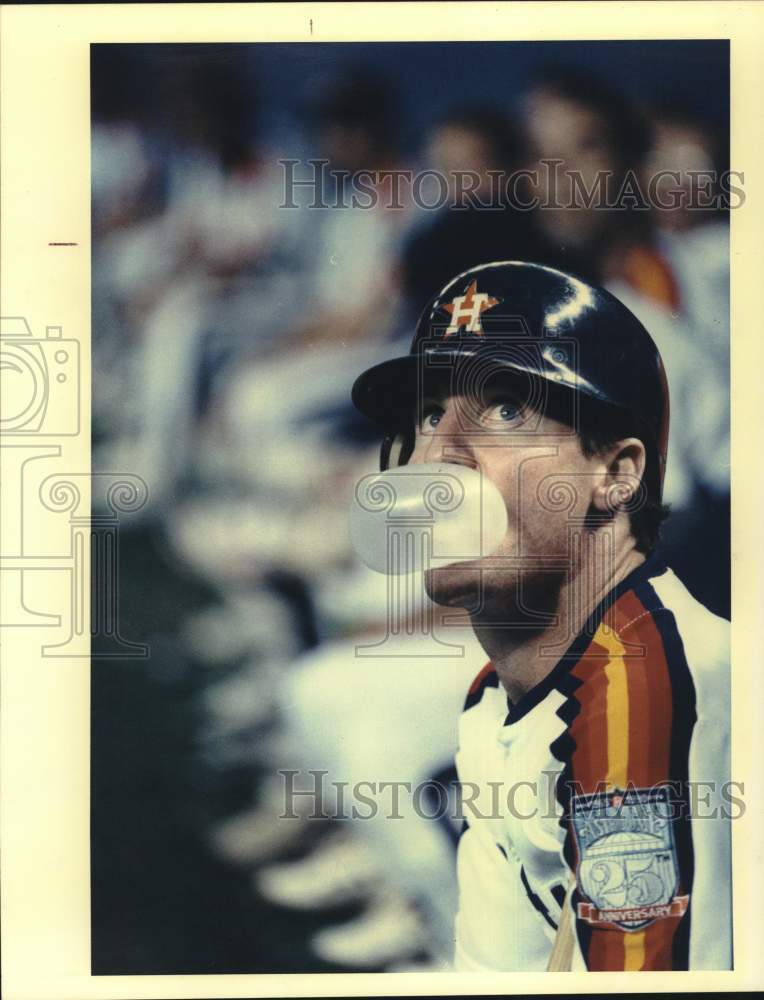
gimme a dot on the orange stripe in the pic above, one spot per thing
(640, 724)
(648, 271)
(487, 669)
(589, 728)
(658, 936)
(628, 610)
(617, 715)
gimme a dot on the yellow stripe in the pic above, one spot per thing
(617, 709)
(633, 951)
(618, 757)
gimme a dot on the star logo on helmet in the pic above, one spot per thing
(466, 310)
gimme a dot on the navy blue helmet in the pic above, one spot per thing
(545, 329)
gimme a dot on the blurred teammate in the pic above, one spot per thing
(693, 238)
(583, 138)
(671, 268)
(474, 150)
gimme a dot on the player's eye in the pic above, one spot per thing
(431, 417)
(504, 411)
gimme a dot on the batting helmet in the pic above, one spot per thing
(543, 326)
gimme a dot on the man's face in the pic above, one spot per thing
(453, 150)
(682, 150)
(541, 472)
(562, 129)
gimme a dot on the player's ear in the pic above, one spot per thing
(622, 468)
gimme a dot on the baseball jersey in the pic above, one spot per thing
(605, 789)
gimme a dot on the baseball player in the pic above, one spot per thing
(594, 745)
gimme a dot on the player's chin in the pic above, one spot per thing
(455, 586)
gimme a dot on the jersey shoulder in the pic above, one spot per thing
(634, 692)
(705, 637)
(487, 678)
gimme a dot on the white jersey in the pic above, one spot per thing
(613, 774)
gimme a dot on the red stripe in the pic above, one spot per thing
(659, 937)
(589, 767)
(654, 743)
(605, 950)
(659, 717)
(589, 762)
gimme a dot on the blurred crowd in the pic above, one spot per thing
(227, 332)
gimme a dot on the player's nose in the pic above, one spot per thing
(452, 440)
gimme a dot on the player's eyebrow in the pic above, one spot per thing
(430, 399)
(504, 392)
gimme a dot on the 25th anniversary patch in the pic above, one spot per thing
(628, 869)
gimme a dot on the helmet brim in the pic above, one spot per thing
(388, 393)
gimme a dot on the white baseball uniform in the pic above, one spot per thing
(613, 771)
